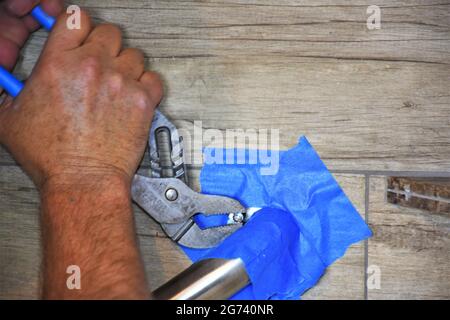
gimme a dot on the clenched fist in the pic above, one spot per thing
(86, 109)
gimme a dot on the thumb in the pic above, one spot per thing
(67, 35)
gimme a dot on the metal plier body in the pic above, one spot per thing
(167, 199)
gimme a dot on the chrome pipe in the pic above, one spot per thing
(209, 279)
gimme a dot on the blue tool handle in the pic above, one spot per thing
(10, 83)
(7, 80)
(43, 18)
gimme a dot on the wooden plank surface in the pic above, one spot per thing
(20, 244)
(410, 247)
(367, 100)
(431, 194)
(20, 248)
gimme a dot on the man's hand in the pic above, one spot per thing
(85, 111)
(16, 23)
(79, 129)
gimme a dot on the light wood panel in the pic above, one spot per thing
(20, 243)
(367, 100)
(410, 247)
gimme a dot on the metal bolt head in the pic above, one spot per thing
(238, 217)
(171, 194)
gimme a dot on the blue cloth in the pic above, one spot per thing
(307, 222)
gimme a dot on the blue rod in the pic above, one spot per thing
(43, 18)
(7, 81)
(10, 83)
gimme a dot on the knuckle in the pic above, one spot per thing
(90, 67)
(141, 100)
(116, 81)
(132, 58)
(157, 92)
(111, 29)
(138, 53)
(136, 56)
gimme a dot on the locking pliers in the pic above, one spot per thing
(165, 196)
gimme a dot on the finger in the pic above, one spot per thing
(131, 63)
(63, 38)
(5, 107)
(5, 101)
(153, 86)
(8, 53)
(52, 7)
(13, 28)
(30, 23)
(19, 8)
(105, 38)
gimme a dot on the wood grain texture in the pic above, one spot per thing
(411, 248)
(367, 100)
(20, 244)
(205, 28)
(430, 194)
(20, 248)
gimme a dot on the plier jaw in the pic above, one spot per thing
(173, 205)
(167, 199)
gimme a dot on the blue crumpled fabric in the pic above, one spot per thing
(305, 224)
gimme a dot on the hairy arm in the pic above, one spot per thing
(89, 224)
(79, 130)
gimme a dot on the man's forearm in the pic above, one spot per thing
(89, 223)
(92, 127)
